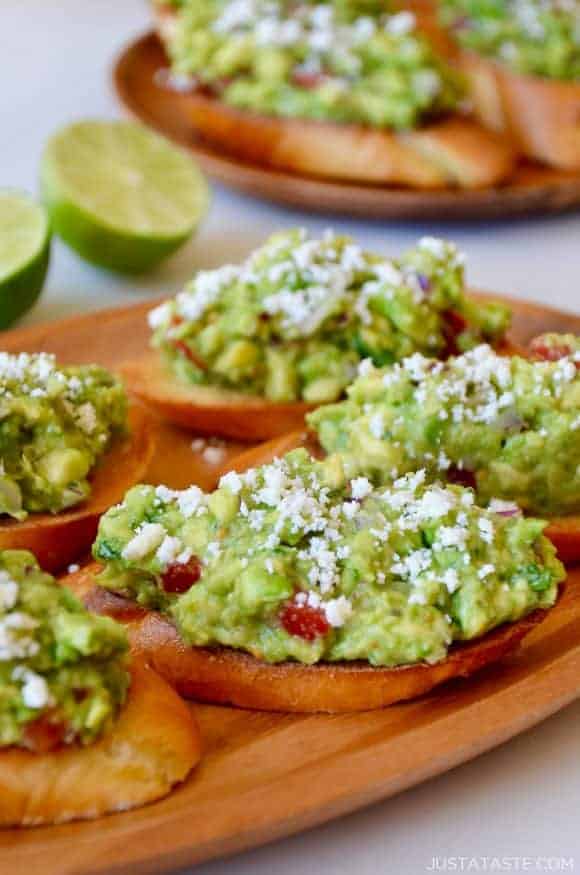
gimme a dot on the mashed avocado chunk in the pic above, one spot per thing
(55, 423)
(293, 561)
(295, 319)
(541, 37)
(509, 426)
(63, 674)
(345, 61)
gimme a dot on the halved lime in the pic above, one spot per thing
(24, 254)
(121, 196)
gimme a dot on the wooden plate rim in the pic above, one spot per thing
(554, 191)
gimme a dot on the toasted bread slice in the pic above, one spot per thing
(226, 676)
(209, 411)
(454, 152)
(138, 761)
(58, 539)
(540, 116)
(563, 532)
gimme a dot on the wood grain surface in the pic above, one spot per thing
(264, 775)
(533, 189)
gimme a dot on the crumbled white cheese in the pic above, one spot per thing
(400, 23)
(172, 551)
(231, 481)
(87, 417)
(35, 692)
(451, 579)
(338, 611)
(499, 505)
(8, 591)
(147, 539)
(16, 640)
(486, 530)
(360, 488)
(160, 316)
(214, 455)
(365, 367)
(485, 571)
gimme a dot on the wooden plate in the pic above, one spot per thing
(534, 189)
(264, 775)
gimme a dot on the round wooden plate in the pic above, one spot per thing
(534, 189)
(264, 776)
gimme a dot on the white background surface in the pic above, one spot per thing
(523, 800)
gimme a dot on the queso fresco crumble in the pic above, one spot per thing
(297, 317)
(295, 561)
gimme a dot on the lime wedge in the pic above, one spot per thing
(24, 254)
(122, 197)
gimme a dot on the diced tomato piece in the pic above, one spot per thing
(304, 621)
(453, 325)
(189, 353)
(541, 350)
(180, 576)
(44, 734)
(461, 477)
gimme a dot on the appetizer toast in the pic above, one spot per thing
(79, 724)
(453, 151)
(141, 759)
(241, 356)
(522, 63)
(228, 677)
(294, 596)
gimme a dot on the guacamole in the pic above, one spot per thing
(293, 561)
(55, 424)
(345, 61)
(296, 318)
(508, 426)
(540, 37)
(63, 674)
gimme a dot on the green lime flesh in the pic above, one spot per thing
(24, 254)
(119, 195)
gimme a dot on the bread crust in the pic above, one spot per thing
(540, 116)
(453, 152)
(58, 539)
(210, 411)
(226, 676)
(138, 761)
